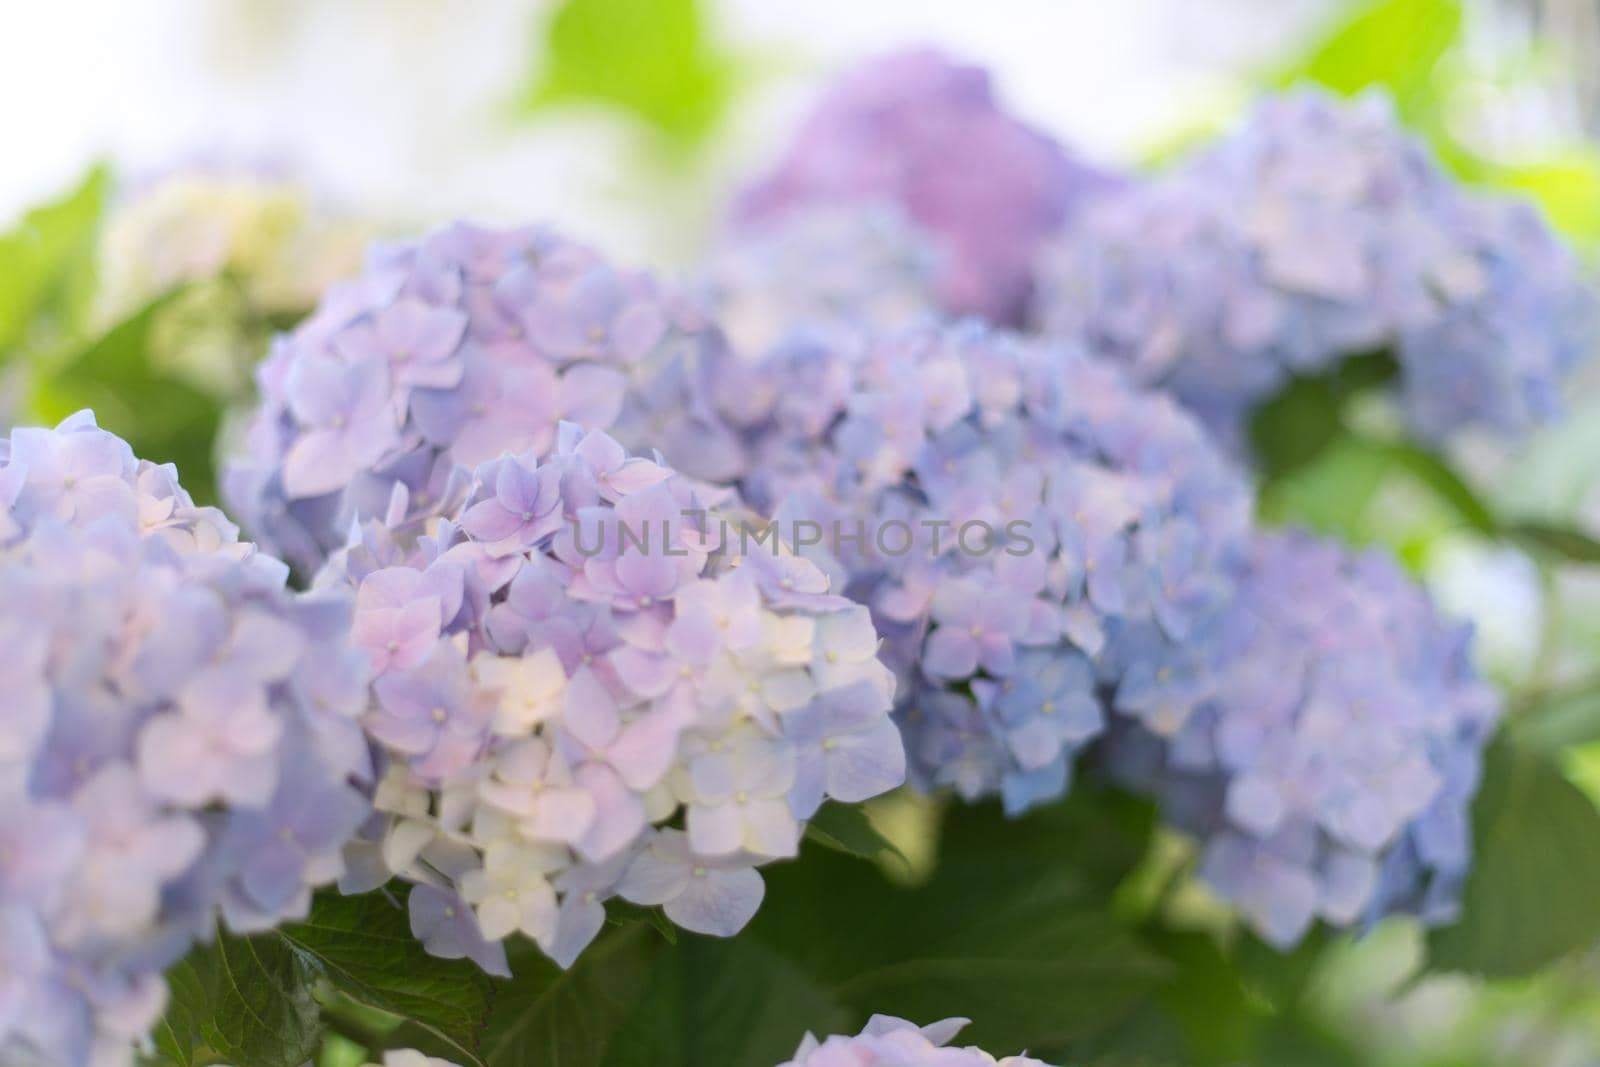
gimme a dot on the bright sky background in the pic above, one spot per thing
(396, 107)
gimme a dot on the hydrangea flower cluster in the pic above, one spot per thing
(891, 1042)
(1330, 767)
(819, 272)
(1320, 231)
(1012, 511)
(589, 684)
(247, 246)
(449, 351)
(921, 132)
(179, 740)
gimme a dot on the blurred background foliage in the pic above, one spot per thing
(1078, 927)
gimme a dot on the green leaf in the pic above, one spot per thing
(1530, 897)
(547, 1017)
(1305, 418)
(620, 912)
(363, 946)
(1390, 43)
(162, 417)
(1012, 929)
(1566, 186)
(1280, 977)
(731, 1003)
(652, 59)
(846, 828)
(1551, 539)
(1096, 972)
(1553, 718)
(47, 265)
(1448, 487)
(1329, 494)
(246, 1002)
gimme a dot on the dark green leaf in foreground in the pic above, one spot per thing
(1012, 930)
(362, 945)
(1530, 898)
(732, 1002)
(240, 1001)
(547, 1017)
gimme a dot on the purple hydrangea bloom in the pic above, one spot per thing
(181, 743)
(575, 651)
(924, 134)
(448, 352)
(1329, 767)
(891, 1042)
(1022, 522)
(1317, 232)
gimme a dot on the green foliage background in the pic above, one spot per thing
(1077, 932)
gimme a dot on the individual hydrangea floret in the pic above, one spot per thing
(181, 740)
(591, 684)
(449, 351)
(815, 272)
(1012, 511)
(1329, 770)
(1317, 232)
(924, 133)
(891, 1042)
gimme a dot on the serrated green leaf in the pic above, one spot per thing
(363, 946)
(1012, 929)
(1529, 898)
(246, 1002)
(847, 828)
(547, 1017)
(733, 1003)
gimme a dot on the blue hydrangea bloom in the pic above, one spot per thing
(574, 649)
(923, 133)
(1320, 231)
(1012, 511)
(890, 1042)
(820, 270)
(1329, 766)
(181, 740)
(449, 351)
